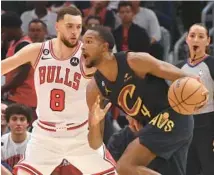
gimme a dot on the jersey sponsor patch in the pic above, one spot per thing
(46, 51)
(74, 61)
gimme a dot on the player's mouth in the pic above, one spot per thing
(74, 39)
(85, 55)
(18, 128)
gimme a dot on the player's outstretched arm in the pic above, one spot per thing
(26, 55)
(96, 115)
(143, 63)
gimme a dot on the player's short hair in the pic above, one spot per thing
(68, 10)
(124, 4)
(10, 20)
(105, 34)
(37, 21)
(20, 109)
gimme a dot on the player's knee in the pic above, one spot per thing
(22, 172)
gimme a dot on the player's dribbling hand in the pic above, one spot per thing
(97, 113)
(204, 102)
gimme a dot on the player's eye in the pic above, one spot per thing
(88, 41)
(22, 119)
(14, 119)
(69, 26)
(192, 36)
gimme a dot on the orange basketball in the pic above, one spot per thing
(186, 95)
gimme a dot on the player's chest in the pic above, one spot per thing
(59, 74)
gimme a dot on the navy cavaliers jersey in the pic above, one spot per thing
(140, 98)
(166, 133)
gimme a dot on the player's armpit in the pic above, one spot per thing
(135, 159)
(28, 54)
(143, 63)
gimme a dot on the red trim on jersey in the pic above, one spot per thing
(54, 125)
(108, 157)
(55, 57)
(82, 70)
(26, 168)
(39, 55)
(110, 171)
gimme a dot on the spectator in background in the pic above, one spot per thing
(4, 46)
(128, 33)
(41, 12)
(4, 127)
(147, 19)
(58, 5)
(19, 86)
(37, 30)
(14, 143)
(99, 8)
(92, 21)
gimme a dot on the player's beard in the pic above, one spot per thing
(67, 43)
(91, 64)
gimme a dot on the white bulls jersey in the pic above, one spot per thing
(60, 87)
(12, 152)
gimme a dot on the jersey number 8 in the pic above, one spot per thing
(57, 100)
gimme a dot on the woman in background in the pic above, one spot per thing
(201, 155)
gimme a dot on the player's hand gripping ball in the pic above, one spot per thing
(187, 95)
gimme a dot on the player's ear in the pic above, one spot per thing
(208, 41)
(105, 47)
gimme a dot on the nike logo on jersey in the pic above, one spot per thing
(45, 58)
(105, 88)
(127, 77)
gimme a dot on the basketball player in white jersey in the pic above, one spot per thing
(60, 133)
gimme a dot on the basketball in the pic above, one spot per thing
(186, 95)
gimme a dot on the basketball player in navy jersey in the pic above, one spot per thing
(135, 82)
(200, 156)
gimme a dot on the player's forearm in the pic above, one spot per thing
(170, 72)
(95, 135)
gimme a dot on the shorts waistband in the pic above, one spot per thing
(54, 127)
